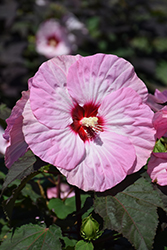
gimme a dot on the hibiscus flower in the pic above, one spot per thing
(157, 165)
(3, 142)
(52, 39)
(87, 116)
(16, 146)
(65, 191)
(158, 100)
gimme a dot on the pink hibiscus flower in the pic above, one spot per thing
(52, 39)
(65, 191)
(3, 142)
(17, 146)
(158, 100)
(157, 165)
(87, 116)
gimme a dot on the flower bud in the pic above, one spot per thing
(90, 229)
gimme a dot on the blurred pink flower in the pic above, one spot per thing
(157, 165)
(64, 191)
(87, 116)
(157, 168)
(76, 29)
(158, 100)
(3, 142)
(160, 122)
(52, 39)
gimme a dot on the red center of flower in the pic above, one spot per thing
(86, 122)
(52, 41)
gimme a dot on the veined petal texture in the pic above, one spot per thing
(92, 78)
(58, 147)
(107, 162)
(50, 102)
(124, 113)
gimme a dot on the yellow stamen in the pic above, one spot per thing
(52, 42)
(91, 122)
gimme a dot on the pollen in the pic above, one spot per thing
(91, 122)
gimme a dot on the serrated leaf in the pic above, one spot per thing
(20, 169)
(84, 245)
(31, 236)
(132, 213)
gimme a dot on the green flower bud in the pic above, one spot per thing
(90, 229)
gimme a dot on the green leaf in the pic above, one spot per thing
(159, 146)
(160, 43)
(132, 212)
(141, 43)
(83, 245)
(69, 242)
(9, 203)
(161, 72)
(20, 169)
(33, 237)
(4, 229)
(60, 208)
(28, 191)
(63, 208)
(4, 112)
(93, 26)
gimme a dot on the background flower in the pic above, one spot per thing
(3, 142)
(52, 39)
(157, 165)
(64, 191)
(157, 168)
(158, 100)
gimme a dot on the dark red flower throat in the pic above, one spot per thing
(52, 41)
(86, 122)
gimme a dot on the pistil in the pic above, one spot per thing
(92, 123)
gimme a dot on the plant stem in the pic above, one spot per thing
(78, 208)
(58, 185)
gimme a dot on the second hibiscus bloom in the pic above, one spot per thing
(87, 116)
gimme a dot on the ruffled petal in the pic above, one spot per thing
(62, 148)
(17, 145)
(50, 102)
(161, 96)
(107, 161)
(153, 103)
(160, 122)
(124, 113)
(157, 168)
(157, 101)
(16, 112)
(91, 78)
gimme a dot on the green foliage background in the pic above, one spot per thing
(135, 30)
